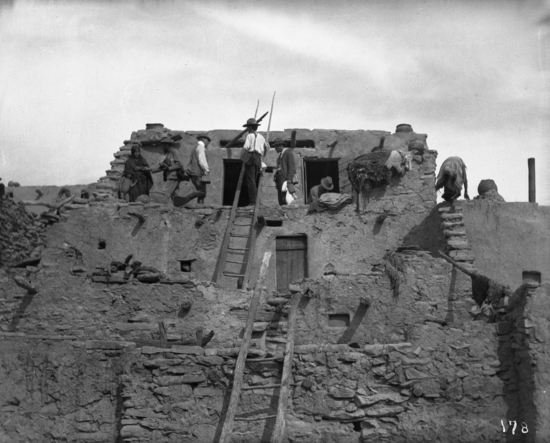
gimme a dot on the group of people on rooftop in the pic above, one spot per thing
(139, 178)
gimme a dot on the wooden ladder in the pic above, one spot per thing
(284, 386)
(239, 241)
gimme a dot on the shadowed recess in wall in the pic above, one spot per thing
(428, 234)
(354, 324)
(25, 302)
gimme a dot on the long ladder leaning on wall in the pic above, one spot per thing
(239, 241)
(284, 386)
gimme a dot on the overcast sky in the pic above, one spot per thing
(77, 77)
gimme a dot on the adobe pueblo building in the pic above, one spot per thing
(391, 342)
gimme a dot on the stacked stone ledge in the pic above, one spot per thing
(458, 247)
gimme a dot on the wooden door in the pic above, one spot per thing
(291, 252)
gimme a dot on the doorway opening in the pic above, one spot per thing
(231, 171)
(291, 264)
(315, 169)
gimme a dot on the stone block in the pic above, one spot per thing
(415, 361)
(392, 397)
(385, 411)
(350, 357)
(159, 363)
(191, 350)
(342, 393)
(207, 392)
(148, 350)
(183, 369)
(179, 391)
(413, 374)
(455, 233)
(100, 344)
(458, 243)
(374, 350)
(133, 431)
(210, 360)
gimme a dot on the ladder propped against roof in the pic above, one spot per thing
(284, 386)
(237, 249)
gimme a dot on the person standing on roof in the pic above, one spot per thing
(197, 169)
(285, 169)
(316, 192)
(171, 167)
(257, 147)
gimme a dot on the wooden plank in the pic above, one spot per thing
(227, 428)
(225, 244)
(280, 422)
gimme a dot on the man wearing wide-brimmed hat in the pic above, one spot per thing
(325, 186)
(285, 169)
(197, 169)
(256, 145)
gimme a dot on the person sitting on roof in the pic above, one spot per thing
(451, 177)
(316, 192)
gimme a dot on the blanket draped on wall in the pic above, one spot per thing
(377, 168)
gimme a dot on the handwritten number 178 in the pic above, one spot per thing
(524, 429)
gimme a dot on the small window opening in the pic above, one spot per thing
(263, 221)
(357, 426)
(531, 277)
(338, 320)
(102, 244)
(186, 264)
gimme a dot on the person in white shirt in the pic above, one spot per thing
(198, 168)
(256, 145)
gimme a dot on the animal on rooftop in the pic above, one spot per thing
(63, 193)
(451, 177)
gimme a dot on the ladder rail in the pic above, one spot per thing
(284, 393)
(225, 436)
(225, 244)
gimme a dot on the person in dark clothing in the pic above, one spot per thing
(285, 169)
(257, 147)
(138, 171)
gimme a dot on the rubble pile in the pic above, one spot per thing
(21, 235)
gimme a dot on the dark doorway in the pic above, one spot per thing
(291, 252)
(231, 171)
(316, 169)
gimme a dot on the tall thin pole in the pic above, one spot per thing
(257, 106)
(270, 115)
(532, 181)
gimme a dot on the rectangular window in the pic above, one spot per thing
(316, 169)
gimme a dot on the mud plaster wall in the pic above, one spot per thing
(344, 145)
(508, 238)
(59, 391)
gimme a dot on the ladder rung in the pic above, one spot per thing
(238, 224)
(231, 274)
(264, 359)
(237, 262)
(267, 417)
(240, 235)
(249, 388)
(238, 249)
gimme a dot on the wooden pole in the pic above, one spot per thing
(456, 265)
(227, 429)
(243, 132)
(279, 431)
(270, 115)
(293, 139)
(532, 181)
(257, 106)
